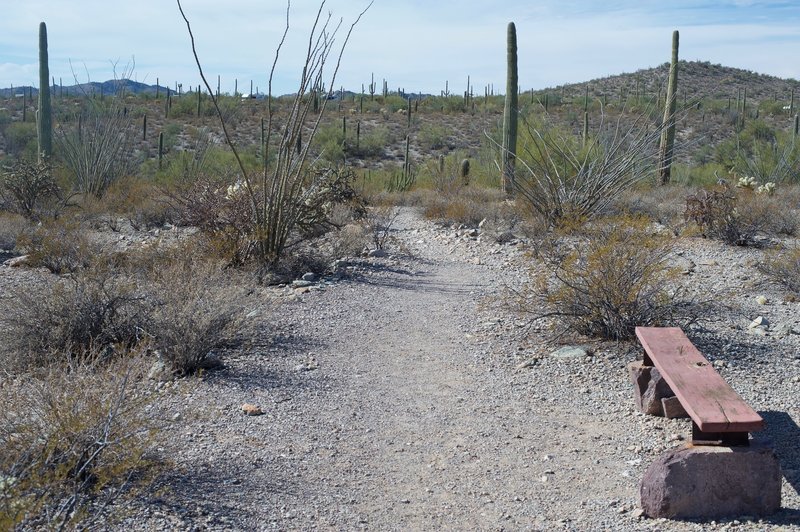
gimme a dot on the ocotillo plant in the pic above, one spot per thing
(510, 112)
(44, 123)
(668, 134)
(796, 128)
(144, 127)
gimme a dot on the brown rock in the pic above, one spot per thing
(649, 388)
(252, 410)
(672, 408)
(703, 482)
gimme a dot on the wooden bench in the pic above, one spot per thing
(719, 415)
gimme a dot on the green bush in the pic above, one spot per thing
(21, 140)
(612, 278)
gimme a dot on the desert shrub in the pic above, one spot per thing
(735, 216)
(662, 204)
(432, 136)
(330, 143)
(783, 267)
(468, 207)
(74, 440)
(193, 306)
(58, 245)
(91, 311)
(379, 221)
(31, 190)
(612, 278)
(11, 226)
(371, 143)
(21, 140)
(141, 203)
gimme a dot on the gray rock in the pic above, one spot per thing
(16, 262)
(505, 237)
(300, 283)
(649, 388)
(672, 408)
(159, 371)
(568, 352)
(310, 276)
(759, 322)
(703, 482)
(378, 253)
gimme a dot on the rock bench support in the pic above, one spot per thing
(711, 482)
(722, 472)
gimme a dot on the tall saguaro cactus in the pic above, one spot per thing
(510, 113)
(44, 122)
(668, 133)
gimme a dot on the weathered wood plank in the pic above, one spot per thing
(711, 403)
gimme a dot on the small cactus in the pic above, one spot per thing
(463, 171)
(160, 149)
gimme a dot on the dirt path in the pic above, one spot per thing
(394, 401)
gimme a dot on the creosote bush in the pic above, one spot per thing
(736, 216)
(611, 278)
(75, 439)
(163, 300)
(783, 267)
(59, 245)
(94, 310)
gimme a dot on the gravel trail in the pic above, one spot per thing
(401, 397)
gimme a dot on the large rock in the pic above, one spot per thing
(705, 482)
(649, 388)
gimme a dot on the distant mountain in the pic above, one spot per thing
(106, 87)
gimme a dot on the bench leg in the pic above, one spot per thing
(728, 439)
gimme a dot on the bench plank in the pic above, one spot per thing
(707, 398)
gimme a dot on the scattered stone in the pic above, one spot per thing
(569, 352)
(16, 262)
(159, 371)
(506, 237)
(761, 300)
(378, 253)
(311, 365)
(300, 283)
(252, 410)
(783, 330)
(482, 223)
(527, 364)
(637, 513)
(309, 276)
(702, 482)
(760, 321)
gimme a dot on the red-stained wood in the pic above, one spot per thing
(707, 398)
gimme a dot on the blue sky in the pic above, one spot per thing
(417, 45)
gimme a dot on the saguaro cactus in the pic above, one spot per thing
(44, 122)
(510, 113)
(668, 133)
